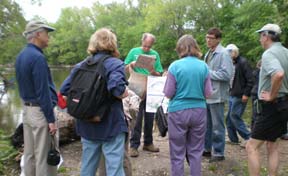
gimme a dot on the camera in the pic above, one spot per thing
(53, 158)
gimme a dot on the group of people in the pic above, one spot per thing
(198, 90)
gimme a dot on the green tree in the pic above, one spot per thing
(282, 18)
(70, 40)
(12, 24)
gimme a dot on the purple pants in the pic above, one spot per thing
(186, 129)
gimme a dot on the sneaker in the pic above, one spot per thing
(284, 136)
(243, 143)
(151, 148)
(206, 154)
(134, 152)
(216, 159)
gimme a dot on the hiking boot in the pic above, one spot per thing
(151, 148)
(134, 152)
(216, 159)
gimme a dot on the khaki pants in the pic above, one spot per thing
(37, 143)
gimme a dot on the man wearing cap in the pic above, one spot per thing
(240, 88)
(272, 108)
(39, 97)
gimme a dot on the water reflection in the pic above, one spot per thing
(11, 104)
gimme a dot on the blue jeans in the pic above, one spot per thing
(112, 150)
(148, 127)
(234, 122)
(215, 133)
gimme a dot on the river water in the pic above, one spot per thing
(11, 104)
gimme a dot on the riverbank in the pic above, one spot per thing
(158, 164)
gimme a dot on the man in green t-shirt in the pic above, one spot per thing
(146, 49)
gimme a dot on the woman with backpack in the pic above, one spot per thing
(106, 135)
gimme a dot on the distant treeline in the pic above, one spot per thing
(166, 19)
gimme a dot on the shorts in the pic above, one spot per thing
(271, 120)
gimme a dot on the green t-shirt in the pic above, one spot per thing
(274, 59)
(133, 55)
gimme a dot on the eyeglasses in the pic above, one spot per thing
(210, 38)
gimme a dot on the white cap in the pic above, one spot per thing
(270, 28)
(232, 47)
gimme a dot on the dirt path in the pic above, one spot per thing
(158, 164)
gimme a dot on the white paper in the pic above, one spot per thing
(155, 86)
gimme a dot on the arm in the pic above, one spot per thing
(170, 86)
(154, 73)
(224, 71)
(276, 82)
(116, 82)
(248, 76)
(273, 67)
(41, 86)
(208, 87)
(158, 69)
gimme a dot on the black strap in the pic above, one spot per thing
(161, 104)
(53, 141)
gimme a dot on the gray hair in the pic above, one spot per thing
(32, 34)
(146, 35)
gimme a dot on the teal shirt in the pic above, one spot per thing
(133, 55)
(274, 59)
(190, 74)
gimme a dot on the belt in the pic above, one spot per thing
(277, 100)
(30, 104)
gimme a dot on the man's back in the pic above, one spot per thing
(274, 59)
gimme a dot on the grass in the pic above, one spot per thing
(7, 152)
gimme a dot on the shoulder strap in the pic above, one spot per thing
(91, 61)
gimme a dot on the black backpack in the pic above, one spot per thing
(88, 97)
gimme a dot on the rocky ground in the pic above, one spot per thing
(158, 164)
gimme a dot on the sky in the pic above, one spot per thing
(51, 9)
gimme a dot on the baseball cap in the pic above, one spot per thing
(270, 28)
(232, 47)
(35, 25)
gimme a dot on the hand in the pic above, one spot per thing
(151, 70)
(245, 98)
(125, 94)
(132, 64)
(52, 128)
(266, 96)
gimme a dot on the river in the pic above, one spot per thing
(11, 104)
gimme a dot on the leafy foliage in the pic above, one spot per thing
(166, 19)
(12, 23)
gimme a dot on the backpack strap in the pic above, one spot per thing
(91, 61)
